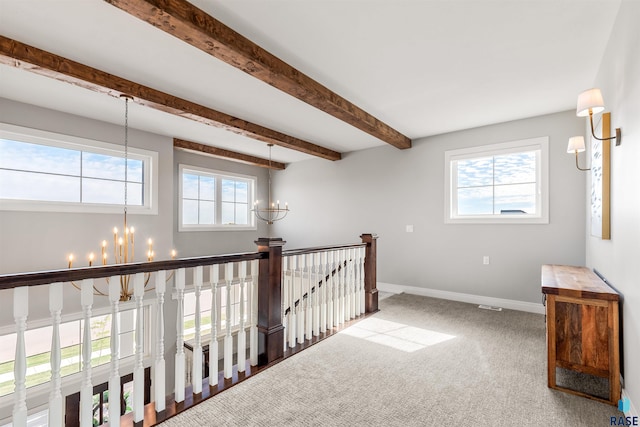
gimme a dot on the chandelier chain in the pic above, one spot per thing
(126, 152)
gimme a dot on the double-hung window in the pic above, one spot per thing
(214, 200)
(44, 171)
(499, 183)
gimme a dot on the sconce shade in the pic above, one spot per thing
(576, 143)
(590, 99)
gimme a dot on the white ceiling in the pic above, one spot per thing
(424, 67)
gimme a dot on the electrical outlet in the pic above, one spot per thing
(485, 260)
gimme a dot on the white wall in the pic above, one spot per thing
(617, 259)
(382, 190)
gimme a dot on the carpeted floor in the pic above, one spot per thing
(418, 362)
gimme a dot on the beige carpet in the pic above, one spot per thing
(418, 362)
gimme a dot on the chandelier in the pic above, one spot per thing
(124, 242)
(272, 212)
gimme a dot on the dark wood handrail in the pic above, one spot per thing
(303, 251)
(10, 281)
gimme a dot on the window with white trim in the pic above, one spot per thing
(498, 183)
(44, 171)
(214, 200)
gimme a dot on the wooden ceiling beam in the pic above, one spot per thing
(20, 55)
(227, 154)
(192, 25)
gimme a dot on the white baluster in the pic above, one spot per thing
(293, 318)
(352, 283)
(20, 313)
(253, 332)
(356, 269)
(331, 295)
(180, 356)
(336, 295)
(316, 295)
(323, 293)
(114, 377)
(159, 363)
(55, 396)
(347, 294)
(362, 293)
(301, 307)
(197, 345)
(214, 277)
(343, 286)
(228, 338)
(285, 299)
(138, 370)
(242, 338)
(310, 297)
(86, 389)
(354, 288)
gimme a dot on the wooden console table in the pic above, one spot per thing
(582, 327)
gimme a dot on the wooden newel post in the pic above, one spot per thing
(270, 329)
(370, 273)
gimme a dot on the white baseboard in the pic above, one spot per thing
(632, 409)
(457, 296)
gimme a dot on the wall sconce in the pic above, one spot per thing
(576, 144)
(589, 103)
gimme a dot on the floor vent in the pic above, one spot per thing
(489, 307)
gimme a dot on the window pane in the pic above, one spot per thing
(228, 190)
(207, 188)
(110, 192)
(41, 158)
(102, 166)
(207, 212)
(190, 212)
(241, 214)
(189, 186)
(242, 192)
(37, 186)
(228, 216)
(110, 167)
(515, 199)
(100, 327)
(475, 201)
(475, 172)
(515, 168)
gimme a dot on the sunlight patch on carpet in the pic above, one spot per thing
(395, 335)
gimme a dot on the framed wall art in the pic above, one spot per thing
(601, 179)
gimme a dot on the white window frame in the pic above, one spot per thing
(539, 144)
(218, 200)
(35, 136)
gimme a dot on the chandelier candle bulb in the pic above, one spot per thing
(91, 258)
(173, 254)
(70, 260)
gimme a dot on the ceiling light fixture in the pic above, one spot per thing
(272, 212)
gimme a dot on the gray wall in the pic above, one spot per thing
(617, 259)
(217, 242)
(382, 190)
